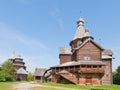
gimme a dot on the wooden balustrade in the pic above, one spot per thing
(80, 69)
(92, 70)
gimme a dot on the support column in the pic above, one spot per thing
(78, 78)
(74, 68)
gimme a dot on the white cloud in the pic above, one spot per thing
(61, 23)
(30, 65)
(56, 14)
(10, 38)
(9, 34)
(31, 43)
(3, 58)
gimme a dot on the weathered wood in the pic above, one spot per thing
(85, 50)
(64, 58)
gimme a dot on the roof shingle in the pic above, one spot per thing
(21, 71)
(39, 71)
(64, 50)
(72, 63)
(107, 52)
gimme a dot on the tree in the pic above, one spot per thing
(118, 70)
(30, 77)
(116, 76)
(1, 75)
(7, 71)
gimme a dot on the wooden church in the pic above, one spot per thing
(21, 73)
(85, 63)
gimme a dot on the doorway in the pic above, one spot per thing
(88, 80)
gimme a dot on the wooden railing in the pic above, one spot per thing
(81, 70)
(92, 70)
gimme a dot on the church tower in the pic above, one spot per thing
(80, 36)
(85, 63)
(19, 65)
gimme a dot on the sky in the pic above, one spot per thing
(36, 29)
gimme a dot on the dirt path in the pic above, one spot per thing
(25, 86)
(28, 85)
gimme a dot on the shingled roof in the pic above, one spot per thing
(80, 30)
(73, 63)
(106, 57)
(64, 50)
(107, 52)
(63, 71)
(39, 71)
(87, 34)
(21, 71)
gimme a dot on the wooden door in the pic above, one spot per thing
(88, 80)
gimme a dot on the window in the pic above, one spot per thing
(100, 66)
(94, 66)
(89, 66)
(83, 66)
(87, 58)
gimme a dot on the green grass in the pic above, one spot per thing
(6, 85)
(102, 87)
(43, 88)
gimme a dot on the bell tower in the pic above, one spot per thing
(81, 35)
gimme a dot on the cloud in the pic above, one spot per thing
(10, 34)
(57, 16)
(30, 65)
(61, 23)
(11, 38)
(30, 42)
(34, 52)
(3, 58)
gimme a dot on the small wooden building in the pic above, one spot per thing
(39, 74)
(85, 63)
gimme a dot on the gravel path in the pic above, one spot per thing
(28, 85)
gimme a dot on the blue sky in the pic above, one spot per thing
(36, 29)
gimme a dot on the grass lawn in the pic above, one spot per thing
(103, 87)
(6, 85)
(50, 86)
(43, 88)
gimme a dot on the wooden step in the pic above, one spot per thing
(69, 76)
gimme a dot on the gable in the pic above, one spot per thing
(39, 71)
(89, 40)
(90, 46)
(89, 49)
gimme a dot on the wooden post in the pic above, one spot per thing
(74, 68)
(69, 68)
(77, 78)
(59, 69)
(55, 69)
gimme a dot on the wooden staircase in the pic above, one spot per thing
(69, 76)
